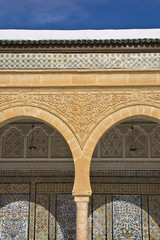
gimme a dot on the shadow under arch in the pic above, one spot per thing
(144, 205)
(15, 210)
(18, 113)
(132, 112)
(23, 112)
(124, 216)
(53, 220)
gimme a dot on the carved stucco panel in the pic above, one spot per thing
(80, 108)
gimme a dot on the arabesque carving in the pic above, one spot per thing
(81, 109)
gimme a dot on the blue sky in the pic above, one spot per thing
(79, 14)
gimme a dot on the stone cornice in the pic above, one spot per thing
(80, 78)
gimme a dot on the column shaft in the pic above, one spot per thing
(82, 218)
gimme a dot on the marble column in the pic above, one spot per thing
(82, 217)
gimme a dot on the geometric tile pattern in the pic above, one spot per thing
(145, 217)
(109, 209)
(154, 217)
(66, 217)
(99, 219)
(68, 174)
(32, 211)
(52, 218)
(42, 217)
(79, 60)
(126, 217)
(14, 188)
(101, 188)
(126, 188)
(52, 215)
(54, 188)
(14, 214)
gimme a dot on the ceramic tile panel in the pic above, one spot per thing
(99, 217)
(154, 217)
(145, 220)
(79, 60)
(32, 210)
(66, 217)
(109, 213)
(14, 188)
(47, 210)
(128, 188)
(42, 217)
(52, 217)
(127, 217)
(14, 215)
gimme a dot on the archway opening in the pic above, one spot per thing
(37, 174)
(125, 182)
(130, 145)
(30, 144)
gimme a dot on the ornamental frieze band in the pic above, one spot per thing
(79, 61)
(81, 109)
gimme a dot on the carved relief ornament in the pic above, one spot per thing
(81, 109)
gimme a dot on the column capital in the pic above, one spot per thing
(81, 198)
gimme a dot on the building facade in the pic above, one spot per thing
(80, 135)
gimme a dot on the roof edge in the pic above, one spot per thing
(82, 45)
(81, 41)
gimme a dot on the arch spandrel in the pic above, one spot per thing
(81, 109)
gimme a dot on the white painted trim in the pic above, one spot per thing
(14, 34)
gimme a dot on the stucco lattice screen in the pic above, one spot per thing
(12, 144)
(16, 140)
(49, 143)
(40, 140)
(111, 144)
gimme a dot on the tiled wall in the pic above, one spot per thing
(125, 217)
(43, 208)
(79, 61)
